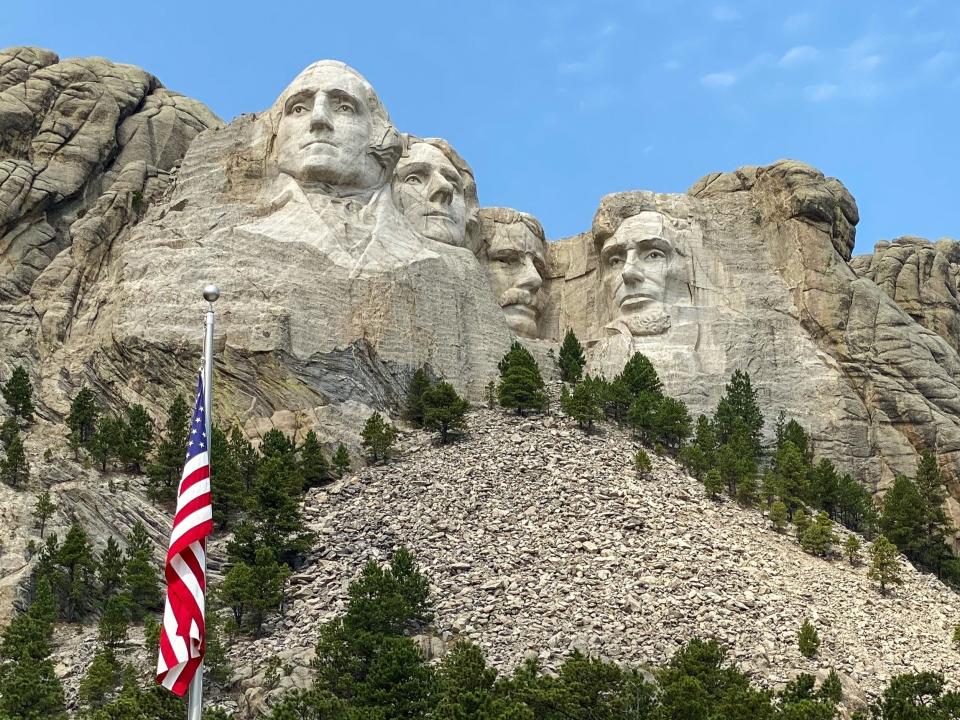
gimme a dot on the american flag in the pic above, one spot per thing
(182, 635)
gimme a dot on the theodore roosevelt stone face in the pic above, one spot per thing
(514, 258)
(329, 121)
(634, 265)
(434, 189)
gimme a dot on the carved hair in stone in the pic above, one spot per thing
(332, 133)
(434, 188)
(512, 249)
(641, 252)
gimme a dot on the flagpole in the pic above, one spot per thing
(210, 293)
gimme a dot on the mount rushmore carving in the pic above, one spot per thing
(350, 253)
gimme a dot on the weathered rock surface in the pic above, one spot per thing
(539, 539)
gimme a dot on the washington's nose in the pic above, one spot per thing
(320, 116)
(530, 280)
(440, 189)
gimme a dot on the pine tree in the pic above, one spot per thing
(246, 457)
(778, 516)
(18, 393)
(642, 415)
(8, 429)
(818, 538)
(313, 463)
(378, 437)
(713, 483)
(884, 563)
(137, 438)
(275, 509)
(583, 404)
(490, 392)
(824, 486)
(164, 471)
(790, 473)
(14, 470)
(114, 621)
(699, 455)
(639, 376)
(227, 492)
(739, 409)
(82, 419)
(904, 517)
(851, 548)
(268, 578)
(831, 689)
(521, 387)
(110, 569)
(801, 521)
(419, 383)
(75, 581)
(807, 640)
(275, 443)
(444, 410)
(107, 441)
(571, 359)
(101, 679)
(237, 589)
(671, 423)
(934, 552)
(140, 573)
(341, 460)
(43, 511)
(641, 462)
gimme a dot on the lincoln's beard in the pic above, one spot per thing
(653, 322)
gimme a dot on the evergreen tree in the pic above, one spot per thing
(855, 508)
(917, 696)
(521, 387)
(275, 443)
(738, 410)
(378, 437)
(275, 511)
(490, 392)
(14, 470)
(792, 431)
(444, 410)
(807, 640)
(831, 689)
(8, 429)
(107, 441)
(164, 472)
(903, 521)
(110, 569)
(114, 621)
(617, 399)
(74, 580)
(101, 679)
(699, 455)
(82, 419)
(884, 563)
(790, 475)
(571, 359)
(237, 589)
(246, 457)
(517, 355)
(227, 491)
(641, 462)
(268, 579)
(419, 383)
(934, 552)
(43, 510)
(642, 415)
(823, 489)
(851, 548)
(583, 404)
(735, 461)
(140, 573)
(313, 463)
(341, 460)
(778, 516)
(713, 483)
(137, 438)
(801, 521)
(671, 423)
(639, 376)
(818, 538)
(18, 393)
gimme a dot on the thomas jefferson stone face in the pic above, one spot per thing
(429, 191)
(634, 264)
(325, 130)
(515, 265)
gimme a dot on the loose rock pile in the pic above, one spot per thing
(538, 540)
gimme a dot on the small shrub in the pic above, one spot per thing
(807, 640)
(778, 516)
(851, 548)
(641, 462)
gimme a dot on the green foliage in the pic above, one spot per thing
(228, 490)
(140, 573)
(831, 688)
(164, 472)
(884, 563)
(276, 518)
(18, 393)
(801, 522)
(341, 460)
(818, 538)
(275, 444)
(571, 358)
(699, 456)
(641, 462)
(917, 696)
(739, 412)
(313, 463)
(713, 483)
(82, 419)
(246, 457)
(268, 579)
(107, 441)
(114, 621)
(490, 393)
(521, 387)
(43, 511)
(808, 642)
(14, 470)
(790, 475)
(639, 376)
(778, 516)
(71, 571)
(584, 404)
(137, 441)
(420, 382)
(135, 703)
(101, 679)
(110, 569)
(851, 548)
(444, 410)
(8, 429)
(378, 437)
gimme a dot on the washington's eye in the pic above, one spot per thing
(615, 260)
(298, 109)
(412, 179)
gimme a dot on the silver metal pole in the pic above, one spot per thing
(210, 293)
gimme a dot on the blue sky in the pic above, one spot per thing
(556, 104)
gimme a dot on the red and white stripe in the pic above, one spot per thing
(182, 636)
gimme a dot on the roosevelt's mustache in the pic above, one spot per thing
(518, 296)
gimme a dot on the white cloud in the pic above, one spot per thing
(725, 13)
(797, 22)
(821, 92)
(799, 55)
(718, 80)
(941, 61)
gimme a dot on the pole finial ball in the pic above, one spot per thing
(211, 293)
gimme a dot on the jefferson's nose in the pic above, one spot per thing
(530, 279)
(440, 189)
(320, 116)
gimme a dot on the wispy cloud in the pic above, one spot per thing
(725, 13)
(798, 22)
(939, 62)
(799, 55)
(718, 79)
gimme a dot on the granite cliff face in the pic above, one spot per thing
(349, 253)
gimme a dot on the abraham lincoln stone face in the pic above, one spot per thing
(634, 265)
(330, 118)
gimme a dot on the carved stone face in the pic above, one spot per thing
(515, 265)
(634, 263)
(429, 191)
(325, 129)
